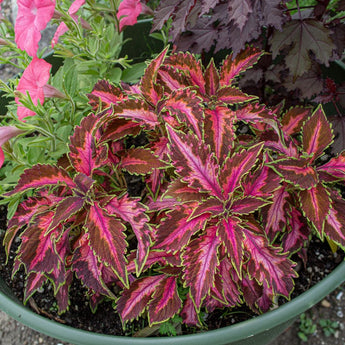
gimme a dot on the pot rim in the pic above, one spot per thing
(290, 310)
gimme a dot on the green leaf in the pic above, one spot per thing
(133, 74)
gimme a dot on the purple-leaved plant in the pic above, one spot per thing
(232, 190)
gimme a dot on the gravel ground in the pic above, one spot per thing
(331, 308)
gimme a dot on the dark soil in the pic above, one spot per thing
(320, 263)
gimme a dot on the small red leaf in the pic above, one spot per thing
(293, 120)
(232, 95)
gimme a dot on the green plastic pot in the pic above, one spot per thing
(259, 330)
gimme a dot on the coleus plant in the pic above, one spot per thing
(232, 189)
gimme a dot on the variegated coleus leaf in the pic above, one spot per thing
(172, 79)
(267, 263)
(262, 183)
(65, 209)
(165, 301)
(297, 232)
(25, 212)
(200, 260)
(135, 300)
(180, 191)
(211, 77)
(187, 108)
(87, 266)
(190, 67)
(139, 161)
(84, 154)
(194, 162)
(334, 169)
(189, 314)
(274, 215)
(104, 95)
(231, 67)
(236, 167)
(107, 240)
(174, 232)
(258, 296)
(40, 176)
(136, 110)
(118, 128)
(230, 232)
(226, 283)
(37, 250)
(132, 211)
(148, 86)
(335, 221)
(220, 130)
(317, 134)
(293, 120)
(297, 171)
(316, 204)
(231, 95)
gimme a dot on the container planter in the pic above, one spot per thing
(259, 330)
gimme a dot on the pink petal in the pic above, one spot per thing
(75, 6)
(34, 78)
(128, 12)
(62, 28)
(2, 157)
(33, 16)
(8, 132)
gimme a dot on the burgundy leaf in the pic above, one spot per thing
(200, 260)
(297, 171)
(233, 67)
(317, 133)
(175, 231)
(104, 95)
(165, 301)
(231, 234)
(65, 209)
(211, 79)
(107, 239)
(236, 167)
(140, 161)
(293, 120)
(267, 263)
(186, 107)
(88, 268)
(133, 212)
(136, 110)
(231, 95)
(194, 162)
(316, 204)
(135, 300)
(42, 176)
(219, 130)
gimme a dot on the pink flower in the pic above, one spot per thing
(128, 12)
(33, 16)
(33, 80)
(6, 133)
(62, 28)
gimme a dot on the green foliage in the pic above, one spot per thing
(307, 327)
(170, 327)
(329, 327)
